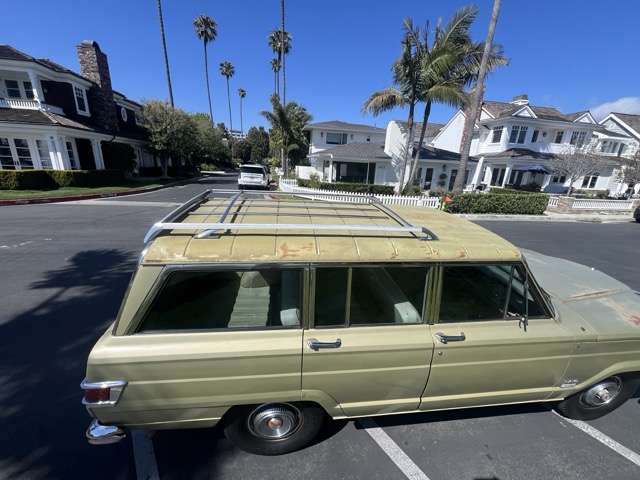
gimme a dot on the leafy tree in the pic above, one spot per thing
(630, 172)
(242, 150)
(227, 70)
(258, 139)
(210, 145)
(286, 134)
(207, 31)
(576, 163)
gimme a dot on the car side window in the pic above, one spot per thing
(378, 295)
(199, 300)
(535, 307)
(474, 292)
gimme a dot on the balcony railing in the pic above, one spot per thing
(25, 104)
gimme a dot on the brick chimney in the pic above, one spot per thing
(95, 67)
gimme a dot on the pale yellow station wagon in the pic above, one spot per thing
(268, 314)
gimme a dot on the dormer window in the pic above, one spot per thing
(80, 95)
(577, 139)
(534, 136)
(518, 134)
(13, 88)
(496, 134)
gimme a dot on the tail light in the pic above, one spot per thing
(102, 393)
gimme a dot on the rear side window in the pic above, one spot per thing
(486, 292)
(215, 300)
(255, 170)
(376, 295)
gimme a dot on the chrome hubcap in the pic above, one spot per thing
(603, 393)
(274, 422)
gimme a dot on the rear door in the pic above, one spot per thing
(484, 355)
(367, 349)
(208, 340)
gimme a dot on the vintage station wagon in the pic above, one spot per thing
(267, 314)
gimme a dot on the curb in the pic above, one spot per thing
(90, 196)
(546, 218)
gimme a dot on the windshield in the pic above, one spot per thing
(257, 170)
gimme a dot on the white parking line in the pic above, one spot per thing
(145, 457)
(393, 451)
(604, 439)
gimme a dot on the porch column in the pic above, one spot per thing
(476, 174)
(63, 157)
(38, 95)
(97, 154)
(507, 174)
(487, 175)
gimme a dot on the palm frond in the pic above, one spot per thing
(384, 100)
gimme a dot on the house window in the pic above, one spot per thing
(496, 134)
(6, 159)
(622, 149)
(13, 88)
(72, 157)
(518, 134)
(534, 136)
(612, 147)
(452, 178)
(577, 138)
(334, 138)
(428, 178)
(368, 139)
(123, 114)
(559, 135)
(28, 90)
(24, 154)
(80, 95)
(589, 181)
(497, 176)
(559, 179)
(43, 153)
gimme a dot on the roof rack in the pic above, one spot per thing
(346, 202)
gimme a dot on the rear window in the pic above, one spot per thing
(216, 300)
(255, 170)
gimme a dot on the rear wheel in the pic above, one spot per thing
(599, 399)
(274, 428)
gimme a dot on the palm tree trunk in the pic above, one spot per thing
(206, 75)
(241, 126)
(412, 106)
(282, 43)
(476, 101)
(416, 152)
(229, 101)
(166, 56)
(275, 82)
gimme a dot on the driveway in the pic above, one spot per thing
(63, 271)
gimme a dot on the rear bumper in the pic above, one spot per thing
(98, 434)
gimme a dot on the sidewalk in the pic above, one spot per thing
(554, 217)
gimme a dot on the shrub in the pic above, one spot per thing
(53, 179)
(532, 204)
(591, 193)
(412, 190)
(348, 187)
(150, 171)
(508, 191)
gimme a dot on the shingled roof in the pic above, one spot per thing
(373, 151)
(632, 120)
(505, 109)
(339, 125)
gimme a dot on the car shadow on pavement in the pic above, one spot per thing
(44, 351)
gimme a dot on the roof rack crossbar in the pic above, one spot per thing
(232, 201)
(426, 233)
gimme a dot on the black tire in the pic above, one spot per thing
(581, 406)
(242, 427)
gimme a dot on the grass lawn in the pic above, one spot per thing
(70, 191)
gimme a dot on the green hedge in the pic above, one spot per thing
(347, 187)
(53, 179)
(508, 191)
(532, 204)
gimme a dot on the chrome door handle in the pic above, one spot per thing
(315, 344)
(450, 338)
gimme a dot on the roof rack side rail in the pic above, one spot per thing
(176, 214)
(222, 218)
(426, 233)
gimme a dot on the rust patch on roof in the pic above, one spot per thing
(594, 294)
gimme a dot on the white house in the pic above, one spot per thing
(514, 142)
(324, 135)
(54, 118)
(379, 160)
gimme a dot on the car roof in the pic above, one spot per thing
(453, 239)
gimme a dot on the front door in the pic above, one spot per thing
(483, 354)
(367, 349)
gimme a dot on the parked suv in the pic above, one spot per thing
(268, 314)
(253, 176)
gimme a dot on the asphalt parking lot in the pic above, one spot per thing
(63, 271)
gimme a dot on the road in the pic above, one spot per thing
(63, 271)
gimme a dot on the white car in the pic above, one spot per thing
(253, 176)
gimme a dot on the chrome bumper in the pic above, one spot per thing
(98, 434)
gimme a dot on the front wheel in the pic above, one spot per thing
(599, 399)
(275, 428)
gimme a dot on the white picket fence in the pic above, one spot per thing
(602, 204)
(291, 186)
(553, 202)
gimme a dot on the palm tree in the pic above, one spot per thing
(275, 66)
(283, 53)
(280, 48)
(166, 56)
(477, 97)
(406, 76)
(241, 93)
(227, 70)
(207, 31)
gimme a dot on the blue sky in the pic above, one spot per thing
(571, 54)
